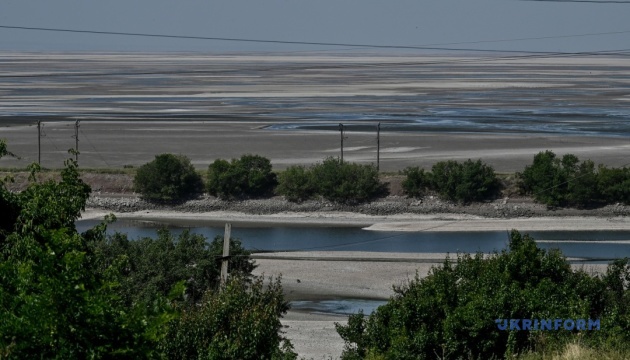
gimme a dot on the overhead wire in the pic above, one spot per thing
(94, 148)
(530, 55)
(267, 41)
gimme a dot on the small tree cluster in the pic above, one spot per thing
(569, 182)
(463, 182)
(153, 267)
(239, 322)
(332, 179)
(249, 176)
(167, 178)
(54, 303)
(64, 295)
(451, 313)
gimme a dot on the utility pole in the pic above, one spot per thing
(76, 142)
(341, 130)
(39, 142)
(378, 146)
(226, 253)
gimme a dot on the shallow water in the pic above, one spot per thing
(593, 245)
(338, 307)
(585, 96)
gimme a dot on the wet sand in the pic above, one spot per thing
(399, 222)
(116, 144)
(134, 106)
(209, 107)
(309, 276)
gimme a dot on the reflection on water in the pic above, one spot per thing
(585, 244)
(340, 307)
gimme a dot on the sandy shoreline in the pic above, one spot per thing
(313, 277)
(330, 275)
(399, 222)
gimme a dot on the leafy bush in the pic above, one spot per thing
(54, 303)
(296, 183)
(153, 267)
(240, 322)
(167, 178)
(333, 180)
(614, 184)
(567, 182)
(346, 182)
(463, 182)
(451, 313)
(416, 182)
(249, 176)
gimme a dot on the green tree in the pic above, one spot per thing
(242, 321)
(614, 184)
(464, 182)
(417, 182)
(344, 182)
(563, 182)
(582, 189)
(153, 267)
(451, 312)
(249, 176)
(62, 296)
(296, 183)
(167, 178)
(53, 301)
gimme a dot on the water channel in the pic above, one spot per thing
(581, 246)
(593, 246)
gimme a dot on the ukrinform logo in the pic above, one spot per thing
(547, 324)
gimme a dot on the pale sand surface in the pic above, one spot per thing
(314, 335)
(325, 275)
(221, 105)
(115, 144)
(398, 222)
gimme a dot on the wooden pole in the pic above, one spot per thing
(378, 146)
(226, 253)
(39, 142)
(341, 130)
(76, 141)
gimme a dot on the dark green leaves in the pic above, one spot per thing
(462, 182)
(249, 176)
(335, 181)
(168, 178)
(451, 312)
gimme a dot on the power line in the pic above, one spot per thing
(96, 151)
(319, 43)
(533, 38)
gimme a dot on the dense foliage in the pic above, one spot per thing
(249, 176)
(241, 322)
(167, 178)
(417, 182)
(64, 295)
(334, 180)
(452, 180)
(296, 183)
(53, 301)
(451, 313)
(569, 182)
(153, 267)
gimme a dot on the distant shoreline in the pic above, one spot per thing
(438, 222)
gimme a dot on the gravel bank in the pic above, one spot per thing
(391, 205)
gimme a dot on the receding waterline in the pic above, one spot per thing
(593, 245)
